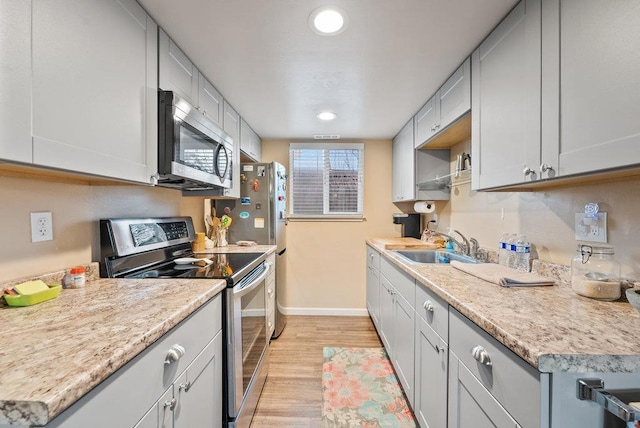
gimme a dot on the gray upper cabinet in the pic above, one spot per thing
(591, 110)
(404, 175)
(231, 125)
(250, 142)
(506, 120)
(449, 103)
(177, 73)
(210, 101)
(15, 80)
(95, 88)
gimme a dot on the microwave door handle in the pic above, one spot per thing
(253, 284)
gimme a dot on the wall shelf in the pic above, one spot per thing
(446, 181)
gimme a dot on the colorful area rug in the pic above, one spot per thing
(360, 389)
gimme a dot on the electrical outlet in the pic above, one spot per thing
(592, 229)
(41, 227)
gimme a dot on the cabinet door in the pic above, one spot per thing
(430, 407)
(177, 73)
(373, 294)
(506, 100)
(599, 98)
(404, 176)
(15, 80)
(250, 142)
(454, 96)
(94, 87)
(404, 351)
(210, 100)
(231, 125)
(161, 414)
(426, 121)
(470, 404)
(386, 315)
(199, 389)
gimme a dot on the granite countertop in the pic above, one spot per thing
(552, 328)
(54, 352)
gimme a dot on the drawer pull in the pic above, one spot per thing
(185, 386)
(428, 306)
(481, 355)
(175, 353)
(171, 404)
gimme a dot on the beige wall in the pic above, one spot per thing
(326, 261)
(547, 217)
(76, 208)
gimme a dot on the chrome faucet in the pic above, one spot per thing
(463, 246)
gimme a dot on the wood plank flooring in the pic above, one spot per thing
(292, 395)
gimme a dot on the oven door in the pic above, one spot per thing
(190, 145)
(247, 335)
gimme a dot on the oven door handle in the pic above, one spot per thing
(238, 292)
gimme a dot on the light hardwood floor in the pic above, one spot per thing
(292, 395)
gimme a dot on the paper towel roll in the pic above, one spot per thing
(424, 207)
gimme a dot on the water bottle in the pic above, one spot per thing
(503, 253)
(523, 253)
(511, 250)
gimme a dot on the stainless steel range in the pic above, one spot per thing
(152, 247)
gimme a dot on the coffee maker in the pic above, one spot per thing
(410, 224)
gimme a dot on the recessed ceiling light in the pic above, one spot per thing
(328, 21)
(326, 115)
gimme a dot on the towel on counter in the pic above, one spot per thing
(502, 275)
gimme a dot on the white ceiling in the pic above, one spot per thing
(278, 74)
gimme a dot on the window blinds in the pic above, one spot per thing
(326, 179)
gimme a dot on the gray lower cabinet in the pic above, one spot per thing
(506, 119)
(94, 80)
(470, 404)
(270, 291)
(15, 81)
(591, 97)
(387, 307)
(431, 370)
(147, 392)
(373, 285)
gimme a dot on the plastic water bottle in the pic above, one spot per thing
(511, 250)
(523, 253)
(503, 253)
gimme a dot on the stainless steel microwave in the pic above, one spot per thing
(193, 152)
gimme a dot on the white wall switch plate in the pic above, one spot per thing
(41, 227)
(592, 229)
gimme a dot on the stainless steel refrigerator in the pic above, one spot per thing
(260, 215)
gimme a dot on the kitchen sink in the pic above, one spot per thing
(433, 256)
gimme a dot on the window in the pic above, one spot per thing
(326, 180)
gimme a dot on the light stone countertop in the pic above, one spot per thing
(552, 328)
(54, 352)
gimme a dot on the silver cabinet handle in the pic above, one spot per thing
(171, 404)
(185, 386)
(175, 353)
(527, 171)
(544, 168)
(481, 355)
(428, 306)
(269, 292)
(439, 348)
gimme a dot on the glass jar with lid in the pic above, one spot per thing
(595, 273)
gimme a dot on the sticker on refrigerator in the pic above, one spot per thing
(245, 201)
(258, 222)
(247, 167)
(261, 170)
(243, 214)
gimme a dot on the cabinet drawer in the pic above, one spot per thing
(404, 283)
(433, 310)
(513, 382)
(135, 387)
(373, 258)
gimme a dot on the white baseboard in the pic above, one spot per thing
(347, 312)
